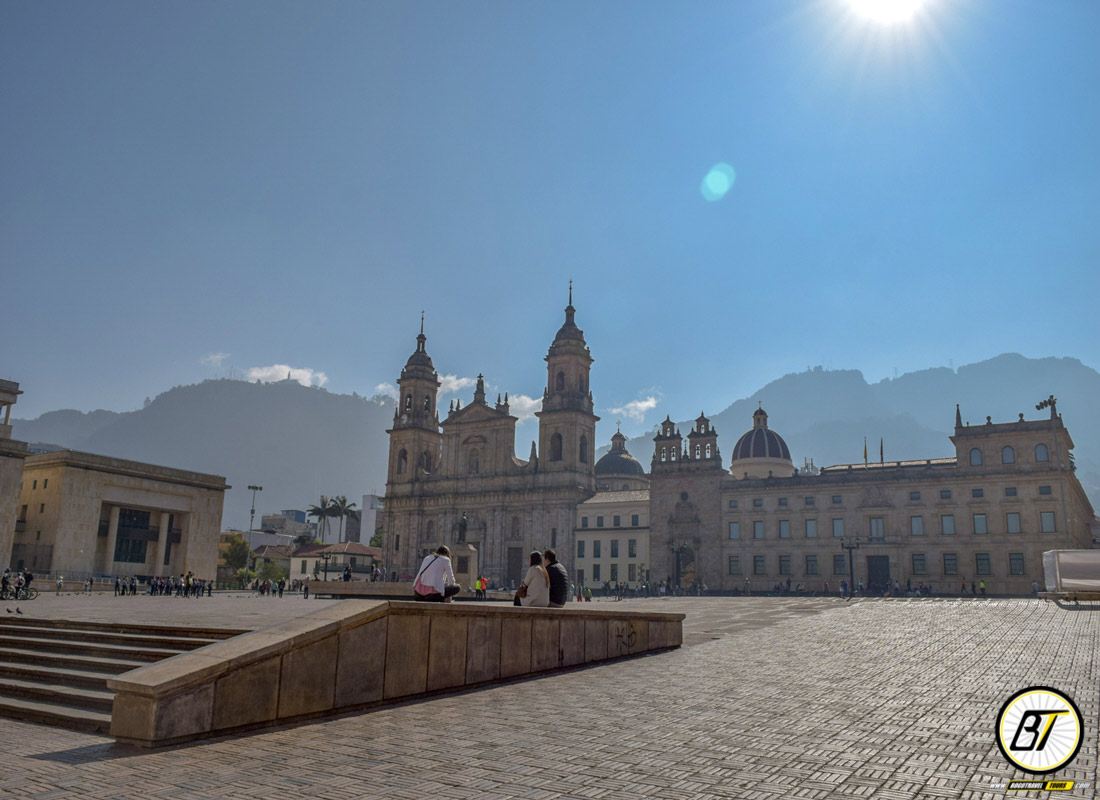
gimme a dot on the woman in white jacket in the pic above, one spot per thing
(435, 582)
(537, 582)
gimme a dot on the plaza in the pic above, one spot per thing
(769, 698)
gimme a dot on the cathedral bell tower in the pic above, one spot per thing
(567, 426)
(414, 437)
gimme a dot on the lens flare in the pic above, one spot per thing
(886, 12)
(717, 182)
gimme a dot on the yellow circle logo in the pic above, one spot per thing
(1039, 730)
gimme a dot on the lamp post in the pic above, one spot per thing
(325, 557)
(1052, 403)
(850, 546)
(252, 518)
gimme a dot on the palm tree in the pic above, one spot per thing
(322, 511)
(342, 508)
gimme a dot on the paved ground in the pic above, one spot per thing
(781, 698)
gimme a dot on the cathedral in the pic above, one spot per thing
(458, 479)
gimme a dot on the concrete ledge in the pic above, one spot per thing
(361, 653)
(388, 590)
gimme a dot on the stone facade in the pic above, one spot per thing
(460, 480)
(12, 454)
(82, 514)
(987, 514)
(612, 539)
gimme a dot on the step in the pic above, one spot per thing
(117, 627)
(97, 700)
(80, 648)
(80, 719)
(113, 666)
(58, 676)
(100, 637)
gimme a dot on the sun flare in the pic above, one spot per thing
(886, 12)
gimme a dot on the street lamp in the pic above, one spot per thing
(252, 518)
(844, 543)
(1052, 403)
(325, 557)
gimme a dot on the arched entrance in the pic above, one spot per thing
(686, 572)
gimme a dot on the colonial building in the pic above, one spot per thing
(459, 480)
(12, 454)
(986, 514)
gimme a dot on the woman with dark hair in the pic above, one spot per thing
(535, 590)
(435, 582)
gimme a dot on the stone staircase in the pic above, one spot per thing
(55, 672)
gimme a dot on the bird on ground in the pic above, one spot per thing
(8, 610)
(17, 611)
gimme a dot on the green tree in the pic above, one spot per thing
(376, 540)
(270, 571)
(236, 551)
(342, 508)
(303, 539)
(245, 576)
(322, 511)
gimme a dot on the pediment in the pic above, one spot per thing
(475, 412)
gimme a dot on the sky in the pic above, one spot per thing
(191, 190)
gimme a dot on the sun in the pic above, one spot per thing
(886, 12)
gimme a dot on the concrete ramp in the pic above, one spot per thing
(362, 653)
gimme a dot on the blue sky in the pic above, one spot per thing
(291, 183)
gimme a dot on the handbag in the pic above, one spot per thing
(521, 592)
(419, 587)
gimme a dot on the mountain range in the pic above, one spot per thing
(300, 442)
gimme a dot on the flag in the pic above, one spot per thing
(865, 450)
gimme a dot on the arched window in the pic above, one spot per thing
(402, 462)
(672, 454)
(664, 453)
(408, 402)
(427, 402)
(975, 457)
(425, 461)
(696, 451)
(559, 384)
(708, 451)
(584, 450)
(474, 463)
(555, 447)
(1008, 455)
(1041, 453)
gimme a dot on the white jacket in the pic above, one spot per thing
(435, 571)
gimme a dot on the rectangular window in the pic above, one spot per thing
(553, 537)
(811, 565)
(758, 566)
(945, 494)
(735, 530)
(616, 521)
(877, 529)
(1016, 563)
(950, 564)
(977, 493)
(1010, 491)
(599, 522)
(782, 502)
(580, 577)
(45, 483)
(914, 496)
(614, 573)
(41, 508)
(837, 499)
(596, 547)
(595, 572)
(580, 548)
(614, 548)
(1012, 522)
(584, 522)
(758, 529)
(838, 528)
(735, 565)
(809, 501)
(1044, 490)
(632, 572)
(784, 565)
(784, 529)
(839, 567)
(919, 565)
(34, 484)
(916, 526)
(631, 548)
(947, 524)
(130, 551)
(1046, 522)
(758, 503)
(979, 524)
(811, 529)
(981, 564)
(304, 566)
(733, 504)
(396, 542)
(634, 520)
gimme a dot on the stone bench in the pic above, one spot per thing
(362, 653)
(387, 590)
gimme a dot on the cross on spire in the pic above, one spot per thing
(421, 320)
(570, 291)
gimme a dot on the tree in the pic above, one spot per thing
(245, 576)
(270, 571)
(341, 508)
(376, 540)
(303, 539)
(321, 511)
(236, 551)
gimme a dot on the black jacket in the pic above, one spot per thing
(559, 583)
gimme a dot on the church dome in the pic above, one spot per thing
(761, 442)
(617, 461)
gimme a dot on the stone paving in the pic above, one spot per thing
(780, 698)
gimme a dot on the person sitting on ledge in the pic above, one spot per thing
(534, 592)
(435, 583)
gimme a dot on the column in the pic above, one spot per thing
(162, 544)
(112, 540)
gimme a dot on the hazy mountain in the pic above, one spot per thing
(300, 442)
(296, 442)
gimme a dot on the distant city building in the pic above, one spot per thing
(371, 517)
(81, 514)
(290, 523)
(612, 539)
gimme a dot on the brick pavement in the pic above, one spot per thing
(792, 699)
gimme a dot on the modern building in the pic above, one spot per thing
(986, 514)
(81, 514)
(459, 480)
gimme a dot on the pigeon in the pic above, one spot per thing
(8, 610)
(17, 611)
